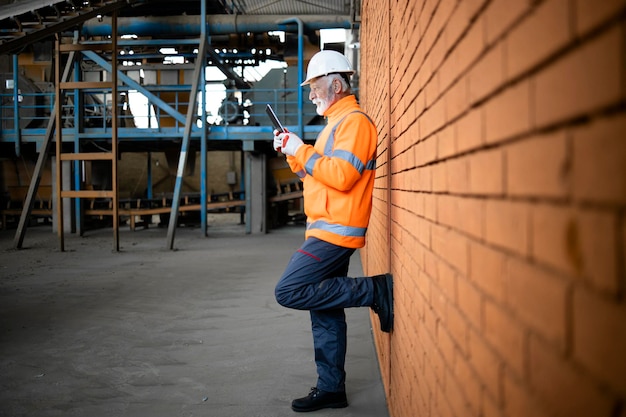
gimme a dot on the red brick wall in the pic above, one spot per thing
(500, 204)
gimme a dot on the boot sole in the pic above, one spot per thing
(387, 325)
(321, 407)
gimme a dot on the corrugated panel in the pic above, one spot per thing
(294, 7)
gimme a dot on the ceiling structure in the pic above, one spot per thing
(24, 22)
(152, 35)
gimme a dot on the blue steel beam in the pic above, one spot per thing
(16, 106)
(135, 85)
(215, 133)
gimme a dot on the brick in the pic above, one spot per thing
(487, 364)
(425, 179)
(431, 88)
(430, 320)
(473, 7)
(506, 336)
(446, 142)
(599, 337)
(448, 74)
(490, 408)
(440, 178)
(599, 234)
(486, 176)
(538, 298)
(430, 358)
(556, 238)
(457, 400)
(447, 210)
(500, 15)
(541, 34)
(441, 17)
(446, 345)
(508, 114)
(439, 304)
(456, 99)
(452, 247)
(433, 360)
(437, 55)
(458, 173)
(430, 207)
(472, 219)
(447, 281)
(442, 406)
(538, 166)
(487, 75)
(457, 325)
(599, 172)
(432, 119)
(487, 268)
(470, 133)
(561, 385)
(587, 79)
(458, 22)
(590, 15)
(519, 401)
(415, 203)
(469, 300)
(471, 46)
(424, 152)
(507, 225)
(468, 384)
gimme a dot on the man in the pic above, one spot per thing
(338, 175)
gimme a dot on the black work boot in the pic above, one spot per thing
(383, 301)
(318, 399)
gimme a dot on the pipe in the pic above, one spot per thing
(163, 26)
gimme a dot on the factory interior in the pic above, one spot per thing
(177, 132)
(153, 112)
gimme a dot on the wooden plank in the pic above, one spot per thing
(87, 194)
(69, 47)
(286, 196)
(81, 85)
(164, 210)
(87, 156)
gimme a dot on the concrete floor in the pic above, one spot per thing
(152, 332)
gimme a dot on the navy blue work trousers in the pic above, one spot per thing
(315, 280)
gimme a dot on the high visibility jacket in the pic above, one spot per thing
(338, 175)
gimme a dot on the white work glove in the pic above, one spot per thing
(287, 142)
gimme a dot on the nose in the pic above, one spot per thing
(311, 95)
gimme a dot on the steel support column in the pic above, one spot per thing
(182, 161)
(16, 107)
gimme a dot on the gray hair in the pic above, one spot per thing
(345, 85)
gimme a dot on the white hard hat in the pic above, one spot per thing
(327, 62)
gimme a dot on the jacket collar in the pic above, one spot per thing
(340, 108)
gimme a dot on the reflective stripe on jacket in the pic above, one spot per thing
(338, 175)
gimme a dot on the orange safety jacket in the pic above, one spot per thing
(338, 175)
